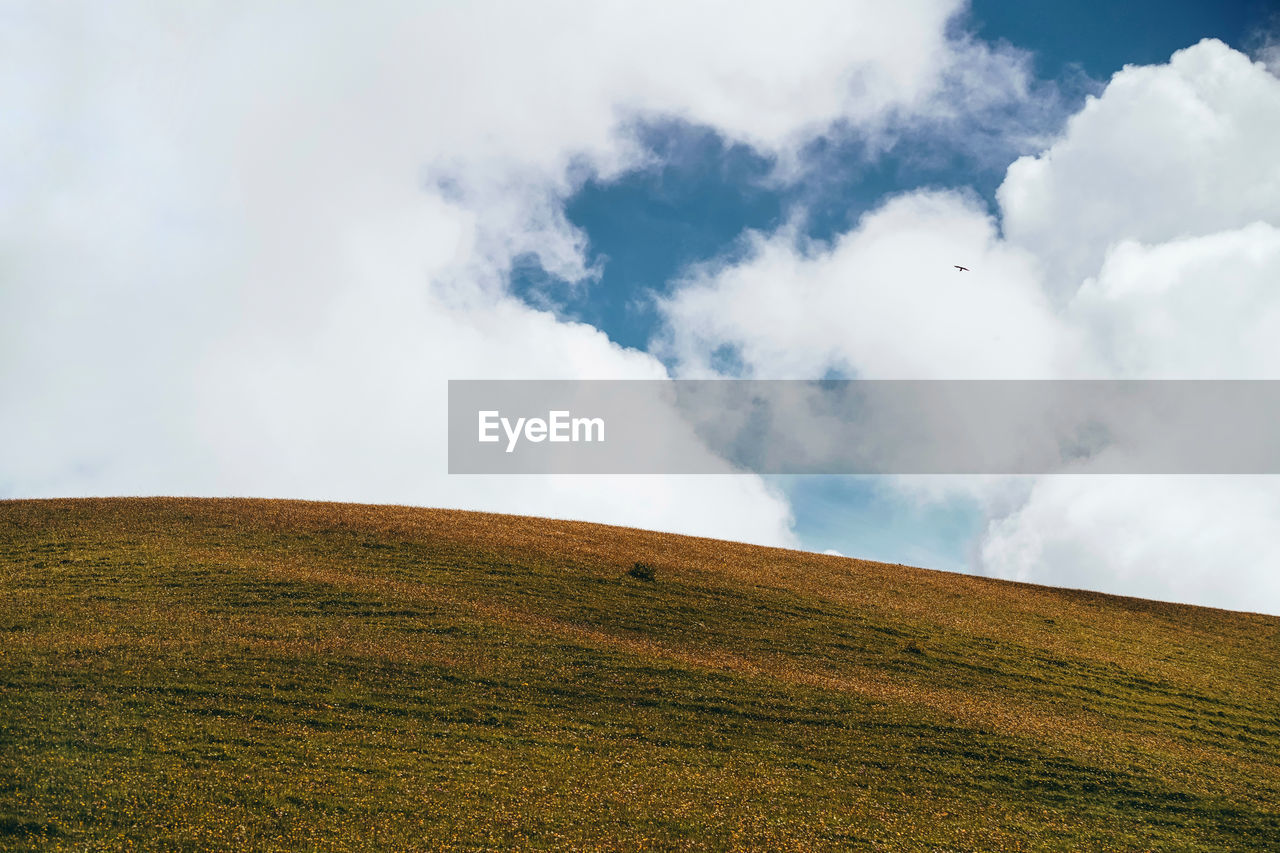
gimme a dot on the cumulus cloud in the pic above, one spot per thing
(1202, 307)
(1206, 540)
(884, 301)
(244, 245)
(1166, 152)
(1142, 243)
(1156, 215)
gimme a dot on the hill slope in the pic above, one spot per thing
(190, 674)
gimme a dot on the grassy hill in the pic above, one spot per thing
(220, 674)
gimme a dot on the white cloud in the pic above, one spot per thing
(1167, 152)
(244, 244)
(1205, 540)
(884, 302)
(1192, 308)
(1157, 214)
(1142, 243)
(1268, 53)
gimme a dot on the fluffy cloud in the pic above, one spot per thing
(1157, 215)
(1200, 307)
(883, 302)
(1142, 243)
(1166, 152)
(244, 245)
(1205, 540)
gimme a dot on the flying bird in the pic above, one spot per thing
(962, 269)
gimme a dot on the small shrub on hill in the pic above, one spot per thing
(641, 572)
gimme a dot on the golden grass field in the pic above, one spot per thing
(189, 674)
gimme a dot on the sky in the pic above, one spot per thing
(244, 247)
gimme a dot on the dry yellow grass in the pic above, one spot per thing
(199, 673)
